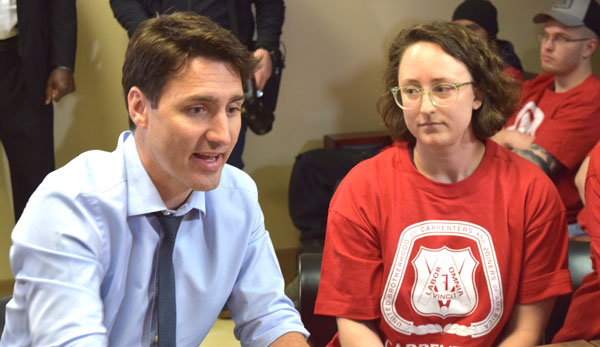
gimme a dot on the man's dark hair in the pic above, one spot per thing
(160, 47)
(499, 92)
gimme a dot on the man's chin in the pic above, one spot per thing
(206, 184)
(551, 69)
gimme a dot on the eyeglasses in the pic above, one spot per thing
(440, 95)
(559, 40)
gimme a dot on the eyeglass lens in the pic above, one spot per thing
(440, 95)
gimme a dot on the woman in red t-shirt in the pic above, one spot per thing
(445, 238)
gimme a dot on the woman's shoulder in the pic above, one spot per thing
(510, 166)
(389, 158)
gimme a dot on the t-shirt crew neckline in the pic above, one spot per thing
(448, 190)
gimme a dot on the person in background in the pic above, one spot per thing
(445, 238)
(267, 18)
(145, 245)
(38, 40)
(482, 17)
(582, 320)
(557, 121)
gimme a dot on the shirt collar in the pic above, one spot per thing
(142, 195)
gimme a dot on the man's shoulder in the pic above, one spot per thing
(592, 81)
(541, 81)
(90, 172)
(514, 167)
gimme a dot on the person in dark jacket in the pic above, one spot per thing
(268, 19)
(37, 57)
(482, 17)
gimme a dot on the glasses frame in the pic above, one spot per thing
(395, 92)
(544, 37)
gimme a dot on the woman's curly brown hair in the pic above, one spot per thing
(499, 92)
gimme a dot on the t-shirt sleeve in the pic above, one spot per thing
(571, 132)
(545, 271)
(352, 268)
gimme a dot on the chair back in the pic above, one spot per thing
(321, 328)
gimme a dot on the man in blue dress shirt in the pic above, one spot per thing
(85, 251)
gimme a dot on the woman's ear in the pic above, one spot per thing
(477, 101)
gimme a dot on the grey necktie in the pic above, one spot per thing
(165, 290)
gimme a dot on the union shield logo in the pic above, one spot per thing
(444, 282)
(528, 120)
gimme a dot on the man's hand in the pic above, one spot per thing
(60, 83)
(290, 340)
(265, 68)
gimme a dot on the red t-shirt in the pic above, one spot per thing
(583, 321)
(566, 125)
(439, 263)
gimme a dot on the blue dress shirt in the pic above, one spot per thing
(84, 254)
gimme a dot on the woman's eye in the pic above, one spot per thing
(411, 91)
(442, 89)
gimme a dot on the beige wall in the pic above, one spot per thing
(335, 57)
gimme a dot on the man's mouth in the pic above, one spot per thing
(209, 158)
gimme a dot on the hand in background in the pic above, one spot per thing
(265, 68)
(60, 83)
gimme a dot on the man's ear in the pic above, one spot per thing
(590, 48)
(139, 106)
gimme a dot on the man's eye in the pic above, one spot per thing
(197, 110)
(560, 39)
(233, 110)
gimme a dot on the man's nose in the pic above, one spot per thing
(219, 129)
(548, 44)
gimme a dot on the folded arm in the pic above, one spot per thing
(522, 145)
